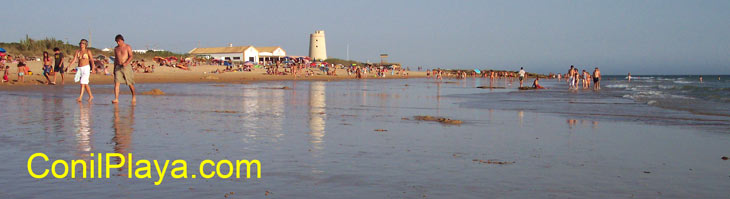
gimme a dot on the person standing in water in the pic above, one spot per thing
(700, 78)
(83, 71)
(122, 70)
(629, 77)
(596, 79)
(569, 76)
(522, 75)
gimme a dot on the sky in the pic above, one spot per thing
(618, 36)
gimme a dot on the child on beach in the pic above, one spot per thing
(21, 72)
(58, 65)
(6, 71)
(4, 68)
(47, 68)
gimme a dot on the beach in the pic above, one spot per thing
(164, 74)
(362, 139)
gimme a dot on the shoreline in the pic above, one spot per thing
(197, 74)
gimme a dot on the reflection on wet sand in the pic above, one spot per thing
(265, 105)
(317, 114)
(58, 117)
(83, 130)
(364, 95)
(520, 116)
(123, 129)
(250, 106)
(573, 122)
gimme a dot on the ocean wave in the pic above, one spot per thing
(652, 94)
(701, 88)
(682, 82)
(617, 86)
(666, 87)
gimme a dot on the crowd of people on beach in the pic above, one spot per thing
(307, 68)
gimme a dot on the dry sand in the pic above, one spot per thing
(175, 75)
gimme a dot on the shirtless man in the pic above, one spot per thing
(122, 70)
(596, 79)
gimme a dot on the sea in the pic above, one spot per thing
(660, 99)
(653, 137)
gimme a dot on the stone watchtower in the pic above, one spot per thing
(317, 46)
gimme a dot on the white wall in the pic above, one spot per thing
(222, 56)
(279, 52)
(251, 52)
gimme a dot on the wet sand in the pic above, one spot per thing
(340, 139)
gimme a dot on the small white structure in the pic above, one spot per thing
(241, 53)
(106, 50)
(144, 51)
(235, 53)
(317, 46)
(270, 53)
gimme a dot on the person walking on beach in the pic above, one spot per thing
(522, 75)
(83, 70)
(58, 65)
(122, 71)
(596, 79)
(47, 68)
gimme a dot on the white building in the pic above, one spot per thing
(241, 53)
(144, 51)
(317, 46)
(270, 53)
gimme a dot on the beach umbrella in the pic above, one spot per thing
(248, 63)
(2, 50)
(477, 70)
